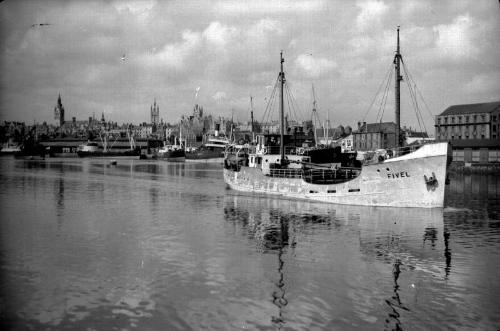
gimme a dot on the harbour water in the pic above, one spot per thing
(149, 245)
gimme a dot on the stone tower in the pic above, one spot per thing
(155, 113)
(59, 111)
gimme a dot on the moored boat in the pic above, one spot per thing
(171, 153)
(413, 178)
(211, 151)
(94, 149)
(90, 151)
(9, 148)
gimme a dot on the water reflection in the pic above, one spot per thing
(480, 192)
(60, 199)
(406, 241)
(447, 252)
(395, 301)
(165, 246)
(270, 229)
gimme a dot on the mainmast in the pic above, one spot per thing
(399, 78)
(282, 112)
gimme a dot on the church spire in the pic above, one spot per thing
(59, 111)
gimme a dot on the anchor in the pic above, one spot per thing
(431, 182)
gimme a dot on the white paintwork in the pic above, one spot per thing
(88, 147)
(377, 183)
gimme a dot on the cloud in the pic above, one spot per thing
(484, 83)
(249, 7)
(372, 12)
(263, 28)
(219, 34)
(175, 55)
(314, 67)
(456, 40)
(231, 49)
(135, 6)
(219, 96)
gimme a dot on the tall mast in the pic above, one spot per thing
(251, 115)
(282, 111)
(314, 117)
(397, 63)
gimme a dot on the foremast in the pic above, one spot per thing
(282, 111)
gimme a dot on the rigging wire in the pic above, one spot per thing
(294, 105)
(414, 102)
(288, 114)
(413, 94)
(418, 90)
(383, 101)
(388, 74)
(270, 104)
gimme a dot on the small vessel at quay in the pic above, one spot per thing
(211, 151)
(171, 153)
(9, 148)
(31, 149)
(94, 149)
(411, 177)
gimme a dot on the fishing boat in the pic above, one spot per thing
(410, 177)
(212, 151)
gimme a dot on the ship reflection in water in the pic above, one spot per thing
(152, 245)
(373, 254)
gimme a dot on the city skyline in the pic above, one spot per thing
(117, 57)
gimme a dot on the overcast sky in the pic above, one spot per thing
(230, 50)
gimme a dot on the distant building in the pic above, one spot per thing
(473, 131)
(347, 144)
(198, 111)
(155, 113)
(143, 131)
(473, 121)
(327, 136)
(373, 136)
(59, 111)
(414, 137)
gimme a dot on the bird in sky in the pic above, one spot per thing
(40, 24)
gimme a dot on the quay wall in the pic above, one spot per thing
(474, 167)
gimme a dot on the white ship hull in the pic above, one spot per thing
(398, 182)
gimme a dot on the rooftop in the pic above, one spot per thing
(385, 127)
(474, 108)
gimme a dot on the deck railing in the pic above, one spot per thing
(286, 173)
(330, 175)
